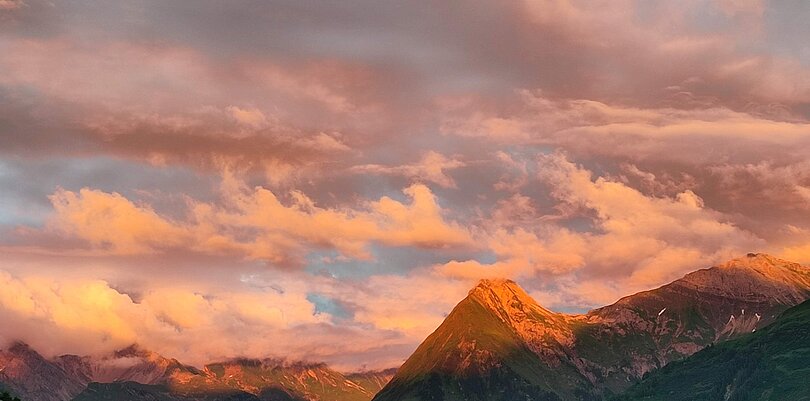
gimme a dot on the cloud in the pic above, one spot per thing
(255, 223)
(189, 119)
(592, 128)
(200, 322)
(251, 117)
(93, 317)
(10, 4)
(111, 221)
(627, 248)
(430, 168)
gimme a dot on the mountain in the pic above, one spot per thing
(374, 380)
(647, 330)
(248, 379)
(32, 377)
(134, 373)
(129, 364)
(272, 379)
(769, 364)
(499, 344)
(496, 344)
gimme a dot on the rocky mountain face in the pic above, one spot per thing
(373, 380)
(498, 344)
(271, 379)
(32, 377)
(137, 374)
(769, 364)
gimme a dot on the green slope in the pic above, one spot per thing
(120, 391)
(770, 364)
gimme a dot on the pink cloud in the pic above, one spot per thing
(432, 167)
(637, 242)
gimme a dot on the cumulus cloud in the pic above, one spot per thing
(90, 316)
(635, 241)
(255, 223)
(202, 322)
(111, 221)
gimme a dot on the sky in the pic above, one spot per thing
(324, 181)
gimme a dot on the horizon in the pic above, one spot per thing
(325, 181)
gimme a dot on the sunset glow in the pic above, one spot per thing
(324, 181)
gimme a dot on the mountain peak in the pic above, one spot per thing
(758, 261)
(495, 282)
(497, 285)
(18, 347)
(504, 296)
(535, 324)
(131, 351)
(770, 268)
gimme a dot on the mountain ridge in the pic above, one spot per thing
(134, 372)
(599, 353)
(767, 364)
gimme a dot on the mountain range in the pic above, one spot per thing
(723, 329)
(499, 344)
(134, 373)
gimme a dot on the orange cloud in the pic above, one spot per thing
(255, 223)
(110, 221)
(90, 316)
